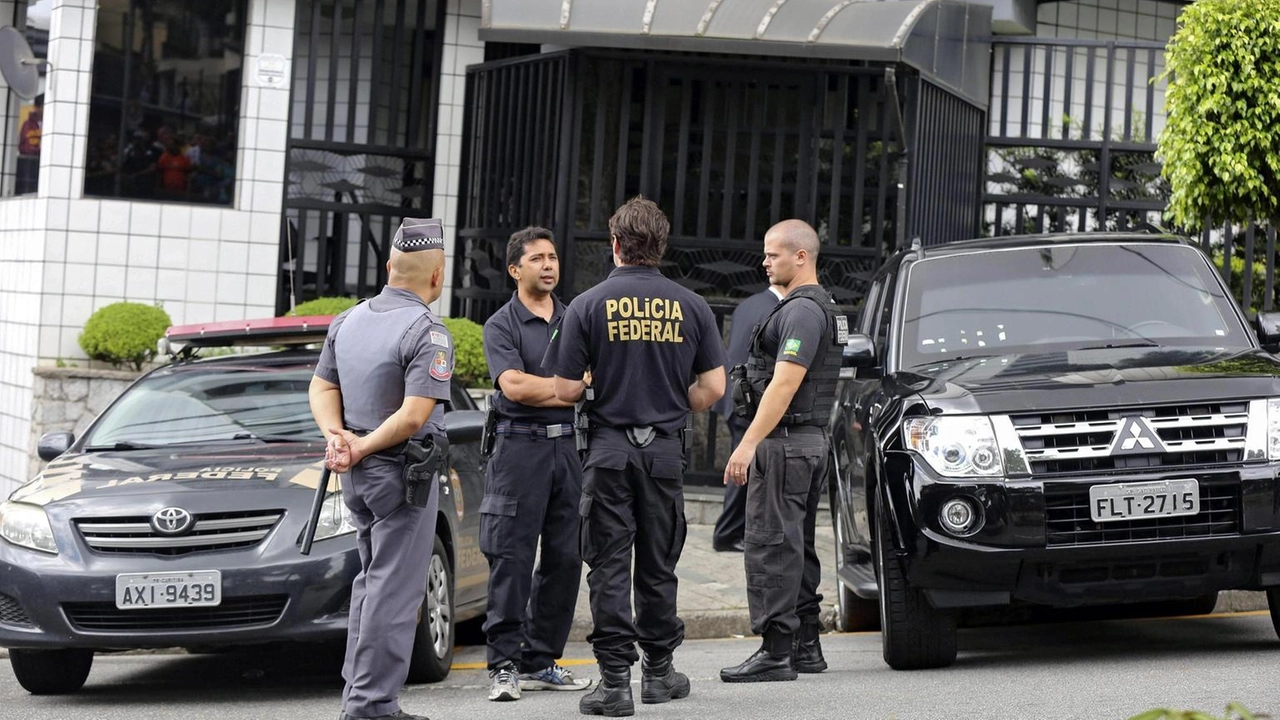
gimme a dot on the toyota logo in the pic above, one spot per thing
(172, 521)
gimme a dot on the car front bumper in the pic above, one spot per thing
(1030, 549)
(69, 600)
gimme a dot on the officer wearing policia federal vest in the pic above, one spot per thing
(380, 381)
(533, 487)
(645, 339)
(787, 392)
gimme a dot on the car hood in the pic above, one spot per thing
(1094, 378)
(121, 475)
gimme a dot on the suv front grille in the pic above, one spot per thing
(210, 531)
(1084, 441)
(232, 613)
(1068, 522)
(11, 612)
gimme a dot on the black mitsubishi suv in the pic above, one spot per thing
(1057, 420)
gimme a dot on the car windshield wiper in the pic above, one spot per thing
(1108, 346)
(955, 358)
(274, 438)
(122, 445)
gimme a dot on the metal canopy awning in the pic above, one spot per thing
(946, 40)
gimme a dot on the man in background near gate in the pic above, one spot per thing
(380, 381)
(644, 338)
(788, 392)
(534, 485)
(752, 311)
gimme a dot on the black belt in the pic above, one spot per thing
(555, 430)
(783, 431)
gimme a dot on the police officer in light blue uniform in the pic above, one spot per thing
(384, 370)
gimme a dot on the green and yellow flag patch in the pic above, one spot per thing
(791, 347)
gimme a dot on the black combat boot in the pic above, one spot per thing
(807, 655)
(612, 696)
(771, 663)
(659, 681)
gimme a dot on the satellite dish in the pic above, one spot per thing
(18, 63)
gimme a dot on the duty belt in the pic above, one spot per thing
(555, 430)
(783, 431)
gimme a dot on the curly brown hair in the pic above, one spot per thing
(641, 230)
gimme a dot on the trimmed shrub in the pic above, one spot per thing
(323, 306)
(469, 366)
(124, 333)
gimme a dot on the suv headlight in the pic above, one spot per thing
(335, 520)
(1273, 429)
(955, 446)
(27, 525)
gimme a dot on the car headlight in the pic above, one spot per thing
(1273, 429)
(335, 520)
(27, 525)
(955, 446)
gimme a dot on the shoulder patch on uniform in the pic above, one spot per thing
(440, 366)
(791, 347)
(439, 338)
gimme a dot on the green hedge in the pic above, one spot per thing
(469, 366)
(124, 333)
(323, 306)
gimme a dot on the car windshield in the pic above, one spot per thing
(213, 403)
(1043, 299)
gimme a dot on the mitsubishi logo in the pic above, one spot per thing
(1136, 437)
(171, 521)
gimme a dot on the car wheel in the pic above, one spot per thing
(915, 635)
(51, 672)
(1273, 603)
(853, 614)
(433, 642)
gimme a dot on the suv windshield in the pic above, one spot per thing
(214, 403)
(1062, 297)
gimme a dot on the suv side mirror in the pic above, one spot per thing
(464, 426)
(1267, 325)
(53, 444)
(859, 351)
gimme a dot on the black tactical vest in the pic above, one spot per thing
(815, 397)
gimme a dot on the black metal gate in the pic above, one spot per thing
(361, 153)
(726, 146)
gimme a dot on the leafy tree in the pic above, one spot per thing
(1221, 143)
(124, 333)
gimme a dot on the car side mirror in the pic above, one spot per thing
(859, 352)
(464, 426)
(53, 444)
(1267, 325)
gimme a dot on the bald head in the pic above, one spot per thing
(420, 272)
(795, 235)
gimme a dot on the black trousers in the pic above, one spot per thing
(632, 497)
(784, 485)
(534, 488)
(732, 522)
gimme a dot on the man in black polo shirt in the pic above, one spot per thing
(534, 485)
(643, 337)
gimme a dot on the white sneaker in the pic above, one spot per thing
(505, 684)
(553, 678)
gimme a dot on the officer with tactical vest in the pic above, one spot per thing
(786, 390)
(655, 356)
(377, 395)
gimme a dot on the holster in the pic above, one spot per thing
(489, 436)
(686, 440)
(582, 423)
(423, 462)
(745, 399)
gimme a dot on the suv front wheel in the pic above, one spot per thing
(51, 672)
(914, 633)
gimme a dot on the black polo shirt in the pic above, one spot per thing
(644, 338)
(516, 339)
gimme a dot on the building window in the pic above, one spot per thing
(164, 108)
(24, 117)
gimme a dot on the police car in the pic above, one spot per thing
(177, 519)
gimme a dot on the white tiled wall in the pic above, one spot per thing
(64, 256)
(462, 47)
